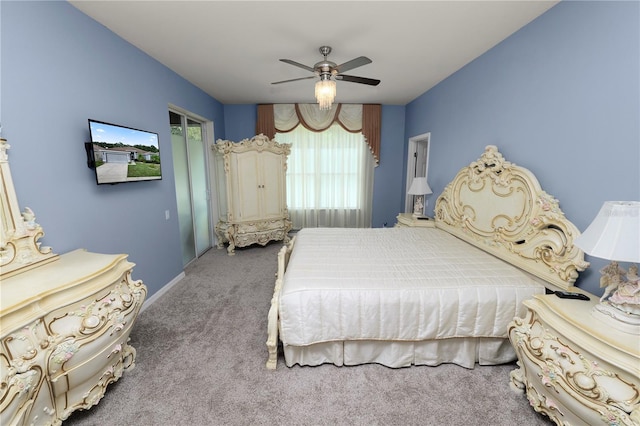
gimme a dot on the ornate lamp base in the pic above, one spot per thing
(620, 320)
(418, 207)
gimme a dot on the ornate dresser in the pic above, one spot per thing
(252, 192)
(573, 367)
(64, 320)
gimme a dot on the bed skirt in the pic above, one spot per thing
(463, 351)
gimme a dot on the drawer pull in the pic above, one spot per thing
(116, 350)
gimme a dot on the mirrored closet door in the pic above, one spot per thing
(192, 191)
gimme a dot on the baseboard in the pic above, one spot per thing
(158, 294)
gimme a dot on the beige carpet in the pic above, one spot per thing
(201, 361)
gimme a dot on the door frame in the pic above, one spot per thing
(415, 142)
(207, 142)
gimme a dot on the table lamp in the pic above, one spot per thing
(420, 188)
(614, 235)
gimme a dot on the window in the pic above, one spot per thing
(329, 178)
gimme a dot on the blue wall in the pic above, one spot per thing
(240, 121)
(389, 176)
(560, 97)
(59, 68)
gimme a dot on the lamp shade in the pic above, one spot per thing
(419, 186)
(614, 234)
(325, 91)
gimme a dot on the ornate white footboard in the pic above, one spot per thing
(272, 324)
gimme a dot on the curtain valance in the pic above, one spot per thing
(283, 118)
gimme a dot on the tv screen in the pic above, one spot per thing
(122, 154)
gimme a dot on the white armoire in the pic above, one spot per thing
(252, 197)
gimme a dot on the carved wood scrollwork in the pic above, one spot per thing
(257, 143)
(501, 208)
(564, 374)
(20, 248)
(21, 373)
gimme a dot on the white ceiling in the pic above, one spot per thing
(230, 49)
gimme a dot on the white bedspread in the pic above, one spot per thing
(402, 284)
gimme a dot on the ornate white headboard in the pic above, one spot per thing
(501, 208)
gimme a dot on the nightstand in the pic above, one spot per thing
(575, 368)
(407, 219)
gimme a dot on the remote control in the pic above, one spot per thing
(570, 295)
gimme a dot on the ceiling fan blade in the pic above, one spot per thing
(293, 79)
(354, 79)
(297, 64)
(354, 63)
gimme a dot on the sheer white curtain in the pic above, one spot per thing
(329, 178)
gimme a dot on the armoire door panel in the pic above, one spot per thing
(247, 189)
(272, 193)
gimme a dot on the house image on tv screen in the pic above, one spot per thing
(123, 154)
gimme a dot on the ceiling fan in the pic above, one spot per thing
(327, 70)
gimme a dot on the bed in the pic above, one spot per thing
(425, 296)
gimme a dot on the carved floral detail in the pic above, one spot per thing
(110, 310)
(23, 346)
(4, 146)
(118, 323)
(63, 353)
(24, 382)
(548, 376)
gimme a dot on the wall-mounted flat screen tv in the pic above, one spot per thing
(121, 154)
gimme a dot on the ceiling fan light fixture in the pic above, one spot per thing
(325, 91)
(329, 72)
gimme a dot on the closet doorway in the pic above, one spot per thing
(417, 165)
(188, 142)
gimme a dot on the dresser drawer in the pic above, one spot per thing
(91, 324)
(568, 374)
(98, 362)
(84, 385)
(260, 226)
(549, 394)
(263, 238)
